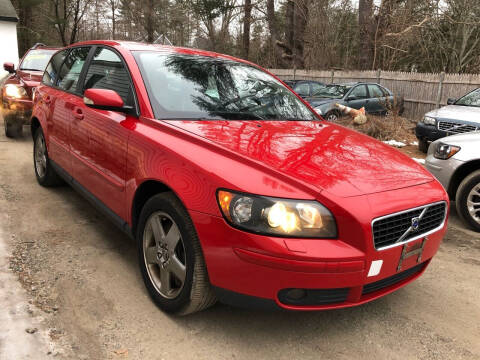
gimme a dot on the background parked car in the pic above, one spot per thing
(305, 88)
(455, 162)
(17, 90)
(458, 117)
(375, 98)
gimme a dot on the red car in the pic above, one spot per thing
(231, 185)
(17, 91)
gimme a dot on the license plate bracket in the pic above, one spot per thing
(407, 254)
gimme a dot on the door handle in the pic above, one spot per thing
(78, 113)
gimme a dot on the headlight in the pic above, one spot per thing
(427, 120)
(445, 151)
(277, 217)
(318, 110)
(15, 91)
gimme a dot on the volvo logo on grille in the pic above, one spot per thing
(415, 223)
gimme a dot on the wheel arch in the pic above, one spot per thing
(145, 191)
(34, 125)
(461, 173)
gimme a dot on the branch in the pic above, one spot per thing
(408, 29)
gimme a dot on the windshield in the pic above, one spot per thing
(332, 91)
(471, 99)
(36, 60)
(186, 87)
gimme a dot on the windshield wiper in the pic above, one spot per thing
(27, 69)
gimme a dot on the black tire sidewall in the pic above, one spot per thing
(461, 199)
(166, 202)
(423, 146)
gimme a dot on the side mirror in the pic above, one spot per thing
(10, 67)
(104, 99)
(451, 101)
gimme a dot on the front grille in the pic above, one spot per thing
(398, 228)
(392, 280)
(314, 297)
(456, 128)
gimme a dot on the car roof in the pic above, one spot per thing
(139, 46)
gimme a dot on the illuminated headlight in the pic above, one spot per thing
(277, 217)
(15, 91)
(318, 110)
(427, 120)
(445, 151)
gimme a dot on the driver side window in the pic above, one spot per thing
(359, 92)
(107, 71)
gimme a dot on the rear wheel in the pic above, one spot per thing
(423, 145)
(45, 173)
(170, 257)
(13, 128)
(468, 200)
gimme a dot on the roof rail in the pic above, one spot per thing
(38, 45)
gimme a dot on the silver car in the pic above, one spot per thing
(455, 162)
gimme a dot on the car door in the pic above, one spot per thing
(53, 104)
(377, 102)
(62, 98)
(357, 97)
(99, 137)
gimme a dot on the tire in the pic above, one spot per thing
(332, 116)
(171, 294)
(12, 128)
(44, 172)
(469, 190)
(423, 145)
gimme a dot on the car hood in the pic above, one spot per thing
(30, 78)
(326, 156)
(457, 112)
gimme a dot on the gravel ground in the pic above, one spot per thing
(70, 288)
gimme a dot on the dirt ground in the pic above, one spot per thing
(70, 278)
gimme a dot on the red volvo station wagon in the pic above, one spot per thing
(231, 185)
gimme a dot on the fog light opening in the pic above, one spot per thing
(296, 294)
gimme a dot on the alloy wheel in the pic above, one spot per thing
(332, 117)
(40, 156)
(473, 203)
(164, 255)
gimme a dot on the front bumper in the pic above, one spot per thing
(429, 132)
(335, 273)
(442, 169)
(19, 110)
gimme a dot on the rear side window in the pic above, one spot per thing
(50, 76)
(107, 71)
(316, 88)
(375, 91)
(71, 69)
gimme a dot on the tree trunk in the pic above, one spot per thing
(247, 20)
(365, 50)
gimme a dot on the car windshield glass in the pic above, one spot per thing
(471, 99)
(36, 60)
(184, 86)
(332, 91)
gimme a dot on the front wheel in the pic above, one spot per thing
(423, 145)
(44, 172)
(332, 116)
(468, 200)
(13, 128)
(170, 257)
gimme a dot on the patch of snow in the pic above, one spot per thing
(415, 143)
(395, 143)
(420, 161)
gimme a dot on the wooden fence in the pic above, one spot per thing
(422, 91)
